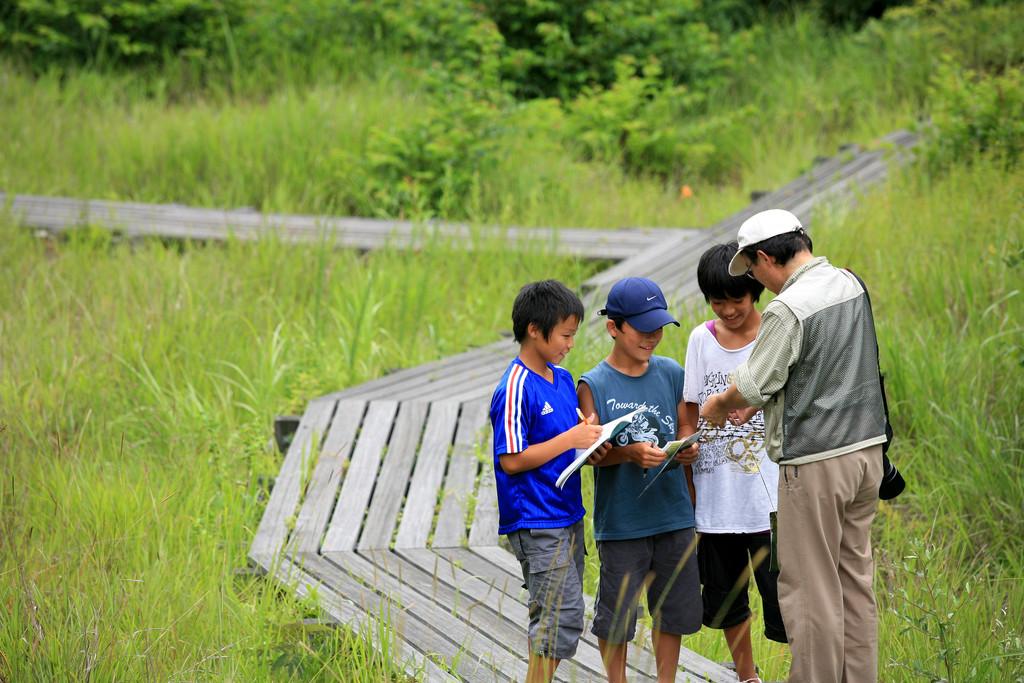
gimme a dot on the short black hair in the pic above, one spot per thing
(545, 304)
(782, 247)
(713, 275)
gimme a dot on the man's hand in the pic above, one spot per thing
(714, 412)
(741, 416)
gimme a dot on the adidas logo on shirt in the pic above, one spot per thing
(546, 409)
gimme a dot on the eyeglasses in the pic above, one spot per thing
(750, 267)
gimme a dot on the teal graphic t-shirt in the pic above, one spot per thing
(618, 512)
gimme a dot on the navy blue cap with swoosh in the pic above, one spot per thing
(640, 302)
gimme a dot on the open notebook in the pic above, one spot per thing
(609, 431)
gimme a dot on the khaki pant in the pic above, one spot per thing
(825, 586)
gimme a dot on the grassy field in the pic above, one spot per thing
(138, 387)
(138, 381)
(300, 149)
(100, 137)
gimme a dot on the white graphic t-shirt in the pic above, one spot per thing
(736, 482)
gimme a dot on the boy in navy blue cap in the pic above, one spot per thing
(648, 542)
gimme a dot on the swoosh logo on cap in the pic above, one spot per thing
(652, 297)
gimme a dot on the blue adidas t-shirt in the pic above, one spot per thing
(618, 513)
(527, 409)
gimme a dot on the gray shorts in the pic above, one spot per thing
(552, 562)
(669, 562)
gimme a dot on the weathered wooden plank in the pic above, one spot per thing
(508, 578)
(456, 593)
(323, 487)
(860, 179)
(498, 589)
(839, 177)
(475, 564)
(484, 370)
(480, 392)
(424, 374)
(856, 172)
(657, 261)
(483, 597)
(498, 568)
(640, 264)
(484, 530)
(499, 557)
(473, 655)
(358, 484)
(461, 476)
(424, 488)
(831, 184)
(508, 628)
(406, 624)
(168, 220)
(475, 380)
(413, 662)
(273, 529)
(393, 479)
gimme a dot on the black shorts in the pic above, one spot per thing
(725, 561)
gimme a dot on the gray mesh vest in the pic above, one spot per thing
(833, 400)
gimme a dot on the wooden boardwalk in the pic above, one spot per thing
(173, 221)
(385, 504)
(384, 510)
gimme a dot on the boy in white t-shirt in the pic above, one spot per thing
(733, 481)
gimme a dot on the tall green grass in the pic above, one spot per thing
(97, 136)
(138, 383)
(282, 147)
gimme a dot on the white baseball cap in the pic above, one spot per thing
(758, 228)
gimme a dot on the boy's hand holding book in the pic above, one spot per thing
(584, 434)
(688, 456)
(602, 450)
(645, 454)
(595, 446)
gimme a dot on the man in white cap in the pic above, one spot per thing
(814, 369)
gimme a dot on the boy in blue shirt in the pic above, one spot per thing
(649, 541)
(534, 414)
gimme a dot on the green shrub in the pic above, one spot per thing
(558, 49)
(980, 38)
(976, 114)
(428, 166)
(649, 126)
(116, 31)
(451, 32)
(539, 49)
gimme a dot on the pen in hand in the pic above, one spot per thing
(580, 413)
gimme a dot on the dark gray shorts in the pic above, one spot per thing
(673, 596)
(552, 562)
